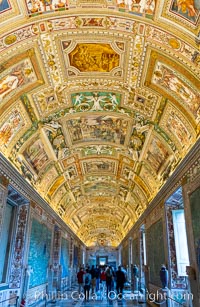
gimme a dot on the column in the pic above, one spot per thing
(130, 257)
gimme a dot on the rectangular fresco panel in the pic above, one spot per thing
(100, 128)
(10, 127)
(187, 9)
(102, 188)
(35, 155)
(15, 78)
(99, 166)
(38, 7)
(39, 253)
(94, 57)
(84, 101)
(168, 79)
(176, 126)
(157, 154)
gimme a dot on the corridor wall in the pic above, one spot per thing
(34, 255)
(158, 229)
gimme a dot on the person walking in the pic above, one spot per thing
(93, 275)
(80, 280)
(87, 282)
(109, 278)
(120, 281)
(98, 272)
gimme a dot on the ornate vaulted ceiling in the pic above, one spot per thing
(99, 104)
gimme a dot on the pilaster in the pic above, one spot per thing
(3, 196)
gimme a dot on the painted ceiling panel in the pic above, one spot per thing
(98, 108)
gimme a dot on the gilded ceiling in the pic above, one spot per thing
(99, 103)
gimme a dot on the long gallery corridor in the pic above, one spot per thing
(100, 150)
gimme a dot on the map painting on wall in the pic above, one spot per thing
(94, 57)
(188, 9)
(98, 128)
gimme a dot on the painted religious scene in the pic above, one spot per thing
(10, 128)
(35, 155)
(104, 166)
(187, 9)
(157, 154)
(15, 78)
(102, 128)
(94, 57)
(168, 79)
(144, 8)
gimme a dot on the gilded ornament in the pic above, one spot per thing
(174, 43)
(10, 39)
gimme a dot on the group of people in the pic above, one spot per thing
(107, 277)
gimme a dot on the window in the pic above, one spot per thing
(180, 241)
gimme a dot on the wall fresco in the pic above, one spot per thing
(157, 154)
(138, 7)
(97, 128)
(171, 81)
(93, 101)
(15, 78)
(94, 57)
(11, 127)
(55, 135)
(35, 155)
(143, 8)
(178, 128)
(104, 166)
(38, 7)
(187, 9)
(100, 189)
(71, 172)
(55, 186)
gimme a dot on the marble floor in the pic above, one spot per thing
(71, 298)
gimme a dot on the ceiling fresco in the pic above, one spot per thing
(99, 103)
